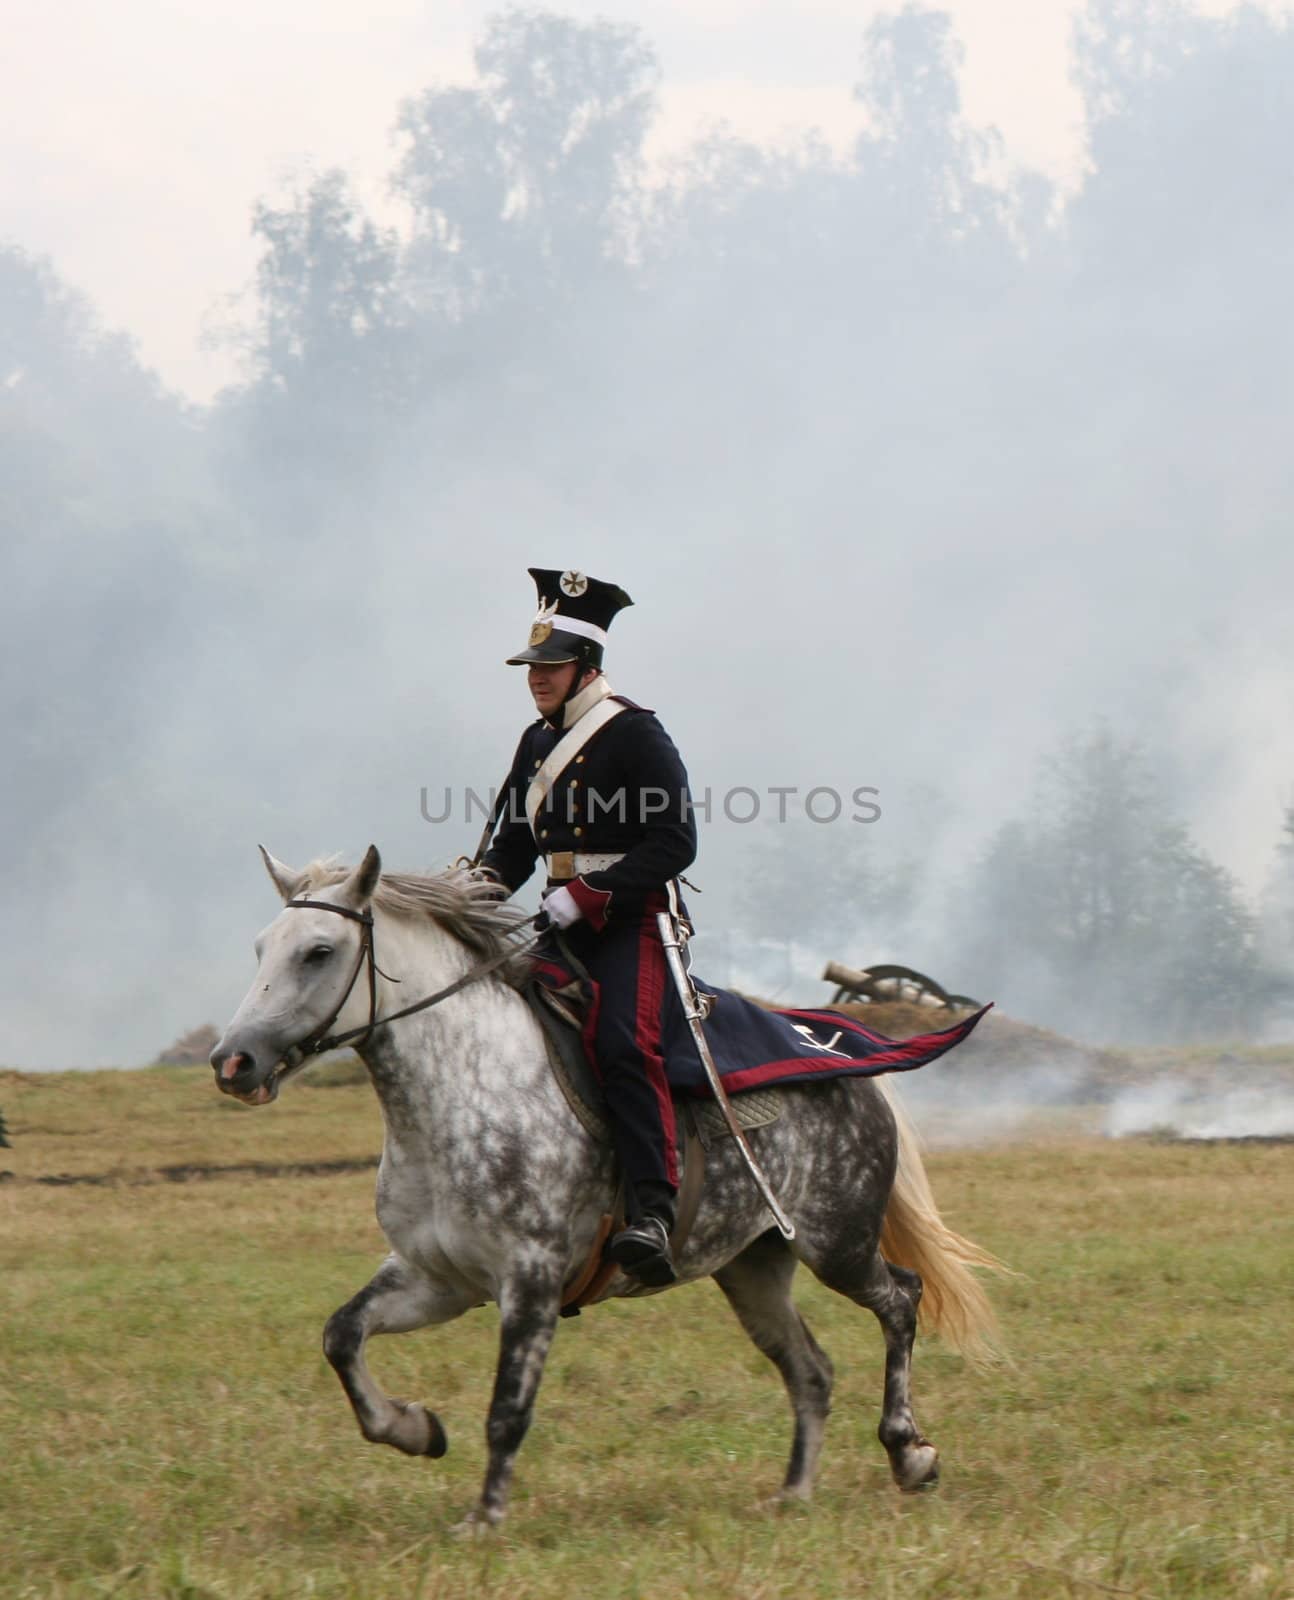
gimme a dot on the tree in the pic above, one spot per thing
(325, 291)
(1104, 917)
(1278, 898)
(824, 887)
(916, 134)
(527, 181)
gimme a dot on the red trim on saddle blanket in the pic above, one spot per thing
(900, 1055)
(589, 1032)
(554, 972)
(556, 975)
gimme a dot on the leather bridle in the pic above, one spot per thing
(319, 1039)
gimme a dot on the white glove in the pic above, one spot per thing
(561, 908)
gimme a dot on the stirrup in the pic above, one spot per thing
(642, 1251)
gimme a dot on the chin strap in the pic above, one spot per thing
(597, 688)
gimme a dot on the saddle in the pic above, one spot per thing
(561, 1014)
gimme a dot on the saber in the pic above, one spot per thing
(695, 1015)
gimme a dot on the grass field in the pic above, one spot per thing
(168, 1427)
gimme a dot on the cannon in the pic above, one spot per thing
(876, 985)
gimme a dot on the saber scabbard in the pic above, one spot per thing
(692, 1011)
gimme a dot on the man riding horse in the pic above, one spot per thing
(489, 1190)
(599, 792)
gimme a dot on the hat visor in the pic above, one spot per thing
(552, 653)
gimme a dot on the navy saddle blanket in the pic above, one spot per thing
(758, 1049)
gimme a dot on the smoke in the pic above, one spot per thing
(1059, 1100)
(903, 478)
(1215, 1108)
(954, 1109)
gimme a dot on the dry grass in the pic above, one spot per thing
(172, 1431)
(128, 1125)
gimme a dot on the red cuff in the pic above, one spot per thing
(594, 903)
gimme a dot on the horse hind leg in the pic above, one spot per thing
(914, 1461)
(395, 1300)
(757, 1284)
(893, 1294)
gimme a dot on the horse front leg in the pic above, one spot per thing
(528, 1317)
(396, 1299)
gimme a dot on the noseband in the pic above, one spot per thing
(320, 1040)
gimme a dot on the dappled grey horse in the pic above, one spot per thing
(490, 1188)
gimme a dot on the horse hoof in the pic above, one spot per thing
(437, 1440)
(418, 1432)
(477, 1524)
(786, 1497)
(920, 1469)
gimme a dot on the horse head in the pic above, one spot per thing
(308, 962)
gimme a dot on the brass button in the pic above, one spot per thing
(575, 783)
(578, 831)
(578, 759)
(543, 833)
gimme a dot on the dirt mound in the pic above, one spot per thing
(1000, 1045)
(191, 1049)
(899, 1019)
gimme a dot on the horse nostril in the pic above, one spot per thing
(234, 1064)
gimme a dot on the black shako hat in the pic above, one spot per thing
(575, 612)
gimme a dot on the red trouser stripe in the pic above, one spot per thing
(648, 1016)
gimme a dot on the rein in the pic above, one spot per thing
(320, 1040)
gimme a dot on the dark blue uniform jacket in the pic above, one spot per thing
(625, 792)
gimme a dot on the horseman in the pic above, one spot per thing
(598, 792)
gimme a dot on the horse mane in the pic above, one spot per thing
(465, 906)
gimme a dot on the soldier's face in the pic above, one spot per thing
(549, 685)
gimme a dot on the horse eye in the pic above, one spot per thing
(318, 952)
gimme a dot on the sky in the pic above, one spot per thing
(1043, 488)
(135, 139)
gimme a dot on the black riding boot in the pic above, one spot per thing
(641, 1248)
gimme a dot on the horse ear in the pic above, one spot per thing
(286, 879)
(358, 888)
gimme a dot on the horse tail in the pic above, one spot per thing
(914, 1235)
